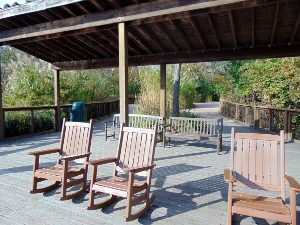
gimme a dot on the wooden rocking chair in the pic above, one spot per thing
(255, 165)
(74, 146)
(134, 157)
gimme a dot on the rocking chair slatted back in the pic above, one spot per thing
(76, 138)
(135, 148)
(256, 161)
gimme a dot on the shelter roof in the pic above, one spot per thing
(75, 34)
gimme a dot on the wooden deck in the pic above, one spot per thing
(188, 184)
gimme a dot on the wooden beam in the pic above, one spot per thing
(210, 22)
(123, 72)
(187, 57)
(274, 25)
(232, 29)
(181, 35)
(296, 27)
(198, 32)
(252, 27)
(163, 91)
(57, 98)
(124, 14)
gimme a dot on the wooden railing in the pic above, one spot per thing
(261, 117)
(33, 122)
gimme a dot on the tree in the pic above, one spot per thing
(176, 89)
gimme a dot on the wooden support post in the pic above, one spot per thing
(2, 118)
(57, 99)
(123, 72)
(163, 91)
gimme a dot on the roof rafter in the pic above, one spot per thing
(214, 31)
(198, 32)
(166, 35)
(181, 35)
(296, 27)
(274, 25)
(252, 27)
(232, 29)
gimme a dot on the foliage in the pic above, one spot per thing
(272, 82)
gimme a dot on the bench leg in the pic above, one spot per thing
(219, 144)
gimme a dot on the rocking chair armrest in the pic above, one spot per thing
(73, 157)
(102, 161)
(138, 169)
(228, 176)
(293, 184)
(45, 152)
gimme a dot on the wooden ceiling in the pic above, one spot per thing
(240, 30)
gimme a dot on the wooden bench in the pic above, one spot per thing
(194, 128)
(135, 120)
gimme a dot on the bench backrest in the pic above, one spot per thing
(196, 125)
(142, 121)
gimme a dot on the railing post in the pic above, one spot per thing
(256, 117)
(288, 125)
(270, 119)
(247, 115)
(31, 121)
(237, 111)
(57, 99)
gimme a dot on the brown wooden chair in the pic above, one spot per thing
(257, 161)
(74, 148)
(134, 157)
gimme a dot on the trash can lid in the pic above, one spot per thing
(78, 105)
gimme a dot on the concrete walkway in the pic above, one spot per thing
(188, 183)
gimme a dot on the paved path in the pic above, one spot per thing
(188, 183)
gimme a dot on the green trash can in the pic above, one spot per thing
(78, 112)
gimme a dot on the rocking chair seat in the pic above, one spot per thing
(56, 172)
(254, 205)
(118, 186)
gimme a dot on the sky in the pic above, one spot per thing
(10, 2)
